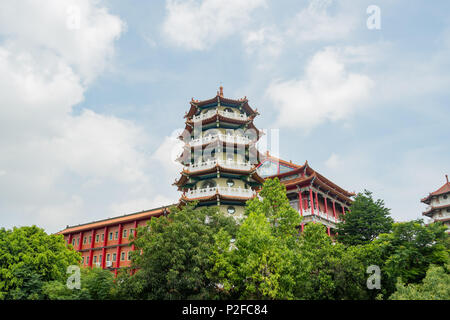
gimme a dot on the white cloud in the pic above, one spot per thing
(86, 46)
(333, 162)
(315, 23)
(60, 168)
(327, 92)
(197, 25)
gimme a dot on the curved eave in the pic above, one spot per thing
(214, 197)
(185, 174)
(429, 212)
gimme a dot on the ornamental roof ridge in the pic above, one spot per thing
(442, 190)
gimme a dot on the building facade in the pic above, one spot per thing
(221, 167)
(438, 202)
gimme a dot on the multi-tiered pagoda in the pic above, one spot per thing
(220, 158)
(439, 205)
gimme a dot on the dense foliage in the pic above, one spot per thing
(28, 258)
(175, 255)
(365, 221)
(201, 254)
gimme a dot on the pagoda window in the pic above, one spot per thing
(114, 257)
(231, 210)
(445, 196)
(230, 183)
(208, 184)
(228, 110)
(209, 155)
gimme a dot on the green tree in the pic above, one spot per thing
(258, 264)
(435, 286)
(409, 250)
(96, 284)
(366, 219)
(28, 258)
(328, 270)
(175, 255)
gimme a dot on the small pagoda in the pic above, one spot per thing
(220, 156)
(439, 205)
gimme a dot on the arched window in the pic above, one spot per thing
(230, 182)
(228, 110)
(208, 184)
(231, 210)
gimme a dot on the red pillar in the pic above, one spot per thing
(118, 248)
(303, 226)
(300, 200)
(328, 230)
(80, 244)
(311, 200)
(70, 238)
(326, 206)
(91, 251)
(105, 241)
(334, 211)
(317, 203)
(343, 211)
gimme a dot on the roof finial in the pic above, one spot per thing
(221, 91)
(446, 177)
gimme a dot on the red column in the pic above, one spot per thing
(328, 230)
(118, 247)
(91, 251)
(302, 226)
(311, 200)
(334, 211)
(343, 211)
(70, 238)
(300, 199)
(80, 244)
(317, 203)
(326, 206)
(134, 236)
(105, 241)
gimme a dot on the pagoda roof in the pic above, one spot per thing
(220, 98)
(184, 174)
(214, 197)
(430, 210)
(442, 190)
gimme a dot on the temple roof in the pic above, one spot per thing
(115, 220)
(442, 190)
(307, 175)
(220, 98)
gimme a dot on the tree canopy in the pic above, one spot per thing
(366, 219)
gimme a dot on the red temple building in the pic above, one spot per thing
(315, 197)
(439, 205)
(221, 167)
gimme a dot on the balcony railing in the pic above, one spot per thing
(234, 115)
(211, 113)
(229, 164)
(330, 217)
(223, 137)
(226, 191)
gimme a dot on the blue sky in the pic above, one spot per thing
(93, 92)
